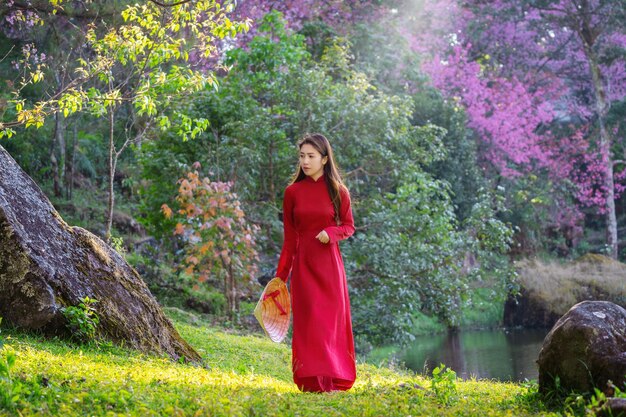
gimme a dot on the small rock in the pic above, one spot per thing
(612, 407)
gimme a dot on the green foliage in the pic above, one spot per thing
(214, 301)
(415, 256)
(82, 320)
(597, 404)
(385, 56)
(405, 261)
(443, 384)
(117, 243)
(574, 403)
(489, 241)
(143, 60)
(485, 306)
(7, 361)
(432, 258)
(412, 256)
(155, 264)
(408, 159)
(161, 161)
(173, 287)
(460, 168)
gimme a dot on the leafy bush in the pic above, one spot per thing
(219, 240)
(117, 243)
(82, 320)
(443, 384)
(417, 257)
(206, 300)
(408, 261)
(155, 265)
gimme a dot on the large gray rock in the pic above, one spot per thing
(46, 265)
(586, 348)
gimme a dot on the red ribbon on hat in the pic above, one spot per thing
(273, 295)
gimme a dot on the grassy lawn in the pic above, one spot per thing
(243, 375)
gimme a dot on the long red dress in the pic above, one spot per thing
(323, 356)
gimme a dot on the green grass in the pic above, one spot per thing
(244, 375)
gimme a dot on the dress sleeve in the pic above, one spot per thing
(346, 228)
(290, 237)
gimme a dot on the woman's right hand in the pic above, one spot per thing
(323, 237)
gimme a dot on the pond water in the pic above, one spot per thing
(506, 355)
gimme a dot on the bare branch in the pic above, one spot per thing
(134, 140)
(7, 54)
(178, 3)
(47, 9)
(361, 169)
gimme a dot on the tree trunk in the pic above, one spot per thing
(70, 166)
(611, 217)
(270, 176)
(218, 169)
(54, 164)
(235, 295)
(57, 158)
(233, 290)
(112, 163)
(57, 154)
(227, 293)
(587, 36)
(60, 140)
(46, 265)
(229, 288)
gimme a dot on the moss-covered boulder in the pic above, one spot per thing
(585, 349)
(46, 265)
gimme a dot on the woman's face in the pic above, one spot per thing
(311, 161)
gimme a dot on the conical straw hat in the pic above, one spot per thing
(274, 309)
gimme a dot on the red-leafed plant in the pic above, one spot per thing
(220, 242)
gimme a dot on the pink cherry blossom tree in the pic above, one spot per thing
(578, 46)
(522, 70)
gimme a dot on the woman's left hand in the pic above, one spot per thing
(323, 237)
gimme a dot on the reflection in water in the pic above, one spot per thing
(507, 355)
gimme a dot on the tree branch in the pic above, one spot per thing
(363, 170)
(133, 140)
(8, 53)
(45, 8)
(178, 3)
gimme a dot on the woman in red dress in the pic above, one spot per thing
(317, 215)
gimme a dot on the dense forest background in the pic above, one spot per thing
(470, 134)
